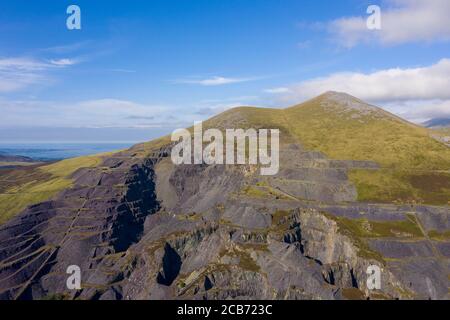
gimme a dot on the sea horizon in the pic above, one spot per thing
(59, 150)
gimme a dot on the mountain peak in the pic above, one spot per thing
(346, 101)
(332, 93)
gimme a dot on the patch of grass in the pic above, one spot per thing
(380, 186)
(379, 296)
(56, 296)
(400, 186)
(364, 228)
(439, 236)
(279, 215)
(262, 183)
(246, 262)
(66, 167)
(190, 216)
(254, 192)
(255, 246)
(353, 294)
(403, 228)
(226, 222)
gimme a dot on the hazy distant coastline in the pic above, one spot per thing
(57, 151)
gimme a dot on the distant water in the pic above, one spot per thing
(58, 151)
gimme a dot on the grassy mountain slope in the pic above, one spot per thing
(371, 134)
(415, 167)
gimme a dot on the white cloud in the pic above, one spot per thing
(216, 109)
(211, 107)
(19, 72)
(21, 64)
(432, 82)
(63, 62)
(402, 21)
(277, 90)
(111, 113)
(415, 93)
(17, 81)
(62, 49)
(214, 81)
(100, 113)
(421, 111)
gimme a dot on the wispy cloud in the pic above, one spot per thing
(214, 81)
(95, 113)
(122, 70)
(67, 48)
(19, 72)
(112, 113)
(277, 90)
(64, 62)
(21, 64)
(211, 107)
(421, 110)
(402, 21)
(215, 109)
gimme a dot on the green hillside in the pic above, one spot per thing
(415, 167)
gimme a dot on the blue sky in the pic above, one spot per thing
(138, 69)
